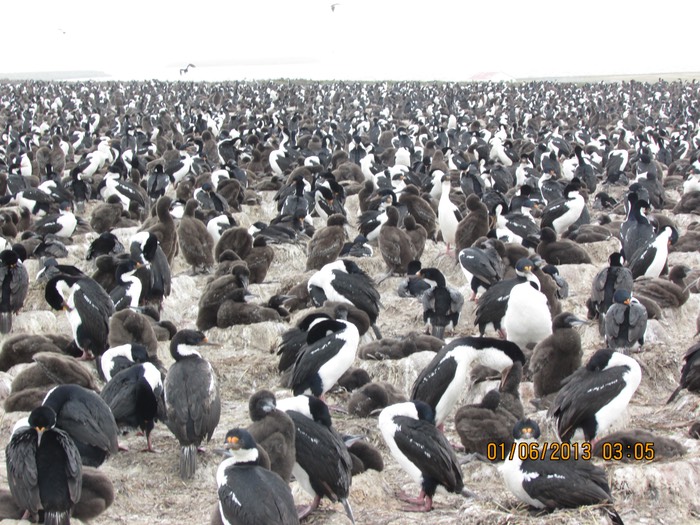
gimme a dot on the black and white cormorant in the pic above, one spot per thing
(117, 358)
(550, 483)
(145, 249)
(637, 231)
(323, 464)
(562, 213)
(594, 397)
(605, 284)
(514, 226)
(248, 492)
(105, 244)
(44, 470)
(345, 282)
(493, 304)
(422, 451)
(442, 304)
(87, 419)
(192, 397)
(62, 224)
(449, 215)
(625, 322)
(331, 345)
(135, 396)
(650, 259)
(14, 285)
(528, 318)
(128, 291)
(482, 264)
(88, 308)
(413, 285)
(441, 383)
(359, 247)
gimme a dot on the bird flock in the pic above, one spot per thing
(294, 289)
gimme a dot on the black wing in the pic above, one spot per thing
(359, 290)
(582, 395)
(493, 303)
(195, 414)
(279, 506)
(89, 421)
(74, 465)
(91, 297)
(428, 449)
(553, 211)
(321, 451)
(121, 393)
(22, 473)
(566, 483)
(314, 356)
(477, 262)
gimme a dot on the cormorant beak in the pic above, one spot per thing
(504, 375)
(205, 342)
(628, 301)
(39, 433)
(577, 322)
(351, 440)
(248, 297)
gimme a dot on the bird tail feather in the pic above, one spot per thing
(53, 517)
(188, 461)
(5, 322)
(439, 332)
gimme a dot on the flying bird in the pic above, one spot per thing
(185, 70)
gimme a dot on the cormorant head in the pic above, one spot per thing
(526, 429)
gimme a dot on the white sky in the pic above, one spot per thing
(361, 39)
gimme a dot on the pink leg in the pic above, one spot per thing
(408, 499)
(149, 448)
(423, 503)
(304, 510)
(87, 356)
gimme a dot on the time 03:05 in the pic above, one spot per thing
(616, 451)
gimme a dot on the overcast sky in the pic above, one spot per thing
(359, 40)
